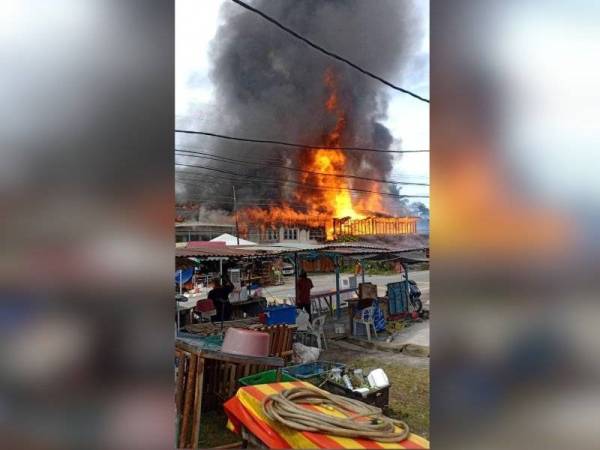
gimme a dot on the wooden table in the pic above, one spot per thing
(328, 297)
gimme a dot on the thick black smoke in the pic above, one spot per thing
(269, 85)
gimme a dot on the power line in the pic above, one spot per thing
(251, 180)
(251, 203)
(327, 52)
(302, 146)
(200, 178)
(307, 186)
(244, 198)
(251, 163)
(283, 161)
(266, 160)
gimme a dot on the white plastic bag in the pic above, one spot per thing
(304, 354)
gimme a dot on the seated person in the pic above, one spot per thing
(219, 294)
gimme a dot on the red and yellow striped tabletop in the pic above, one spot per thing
(245, 409)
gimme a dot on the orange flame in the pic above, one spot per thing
(334, 200)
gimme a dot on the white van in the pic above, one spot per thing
(287, 269)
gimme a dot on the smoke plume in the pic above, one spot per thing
(269, 85)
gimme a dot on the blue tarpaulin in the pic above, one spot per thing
(186, 275)
(397, 297)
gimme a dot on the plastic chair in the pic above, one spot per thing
(317, 329)
(204, 310)
(367, 316)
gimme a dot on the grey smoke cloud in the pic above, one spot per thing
(269, 85)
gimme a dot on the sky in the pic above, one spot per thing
(196, 23)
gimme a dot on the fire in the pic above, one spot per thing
(334, 199)
(338, 201)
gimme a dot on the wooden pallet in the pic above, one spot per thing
(204, 379)
(188, 394)
(280, 337)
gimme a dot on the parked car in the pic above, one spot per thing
(287, 269)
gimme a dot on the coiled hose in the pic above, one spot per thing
(284, 408)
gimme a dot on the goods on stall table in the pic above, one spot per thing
(209, 329)
(373, 389)
(379, 397)
(352, 383)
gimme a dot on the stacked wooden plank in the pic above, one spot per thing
(204, 380)
(188, 394)
(222, 377)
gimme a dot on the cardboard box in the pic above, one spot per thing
(367, 290)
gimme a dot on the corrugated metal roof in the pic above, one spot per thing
(279, 249)
(296, 246)
(228, 252)
(203, 224)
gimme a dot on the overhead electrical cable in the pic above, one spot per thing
(307, 186)
(251, 163)
(328, 52)
(296, 145)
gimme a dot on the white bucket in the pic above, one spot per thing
(378, 379)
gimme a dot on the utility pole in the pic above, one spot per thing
(237, 229)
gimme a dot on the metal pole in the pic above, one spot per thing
(362, 266)
(337, 288)
(406, 284)
(296, 277)
(177, 304)
(237, 229)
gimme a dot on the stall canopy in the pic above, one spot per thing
(231, 240)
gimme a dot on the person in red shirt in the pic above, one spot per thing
(303, 287)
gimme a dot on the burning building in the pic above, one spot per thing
(374, 226)
(270, 86)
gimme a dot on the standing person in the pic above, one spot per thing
(358, 268)
(303, 288)
(220, 296)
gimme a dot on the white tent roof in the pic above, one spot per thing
(231, 240)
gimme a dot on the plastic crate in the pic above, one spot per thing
(282, 314)
(314, 372)
(270, 376)
(379, 397)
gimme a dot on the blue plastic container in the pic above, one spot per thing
(281, 314)
(314, 372)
